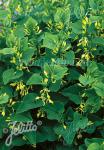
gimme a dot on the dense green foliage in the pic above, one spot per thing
(52, 69)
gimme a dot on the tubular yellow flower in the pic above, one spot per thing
(17, 88)
(13, 84)
(3, 113)
(13, 60)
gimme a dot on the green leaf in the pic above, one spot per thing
(31, 137)
(77, 12)
(54, 87)
(94, 146)
(31, 23)
(79, 122)
(58, 15)
(73, 74)
(59, 72)
(24, 117)
(99, 88)
(94, 102)
(77, 27)
(19, 32)
(18, 141)
(95, 18)
(92, 67)
(29, 102)
(3, 124)
(7, 51)
(3, 14)
(92, 4)
(11, 74)
(27, 55)
(50, 41)
(73, 93)
(56, 72)
(70, 57)
(86, 79)
(68, 134)
(8, 90)
(70, 131)
(98, 40)
(94, 140)
(46, 133)
(4, 98)
(35, 79)
(54, 111)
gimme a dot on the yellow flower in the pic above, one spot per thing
(21, 85)
(13, 84)
(64, 126)
(81, 107)
(45, 80)
(64, 43)
(59, 26)
(87, 57)
(13, 60)
(85, 21)
(17, 88)
(97, 25)
(84, 41)
(55, 50)
(3, 113)
(45, 97)
(18, 9)
(46, 73)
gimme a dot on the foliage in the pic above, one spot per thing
(52, 69)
